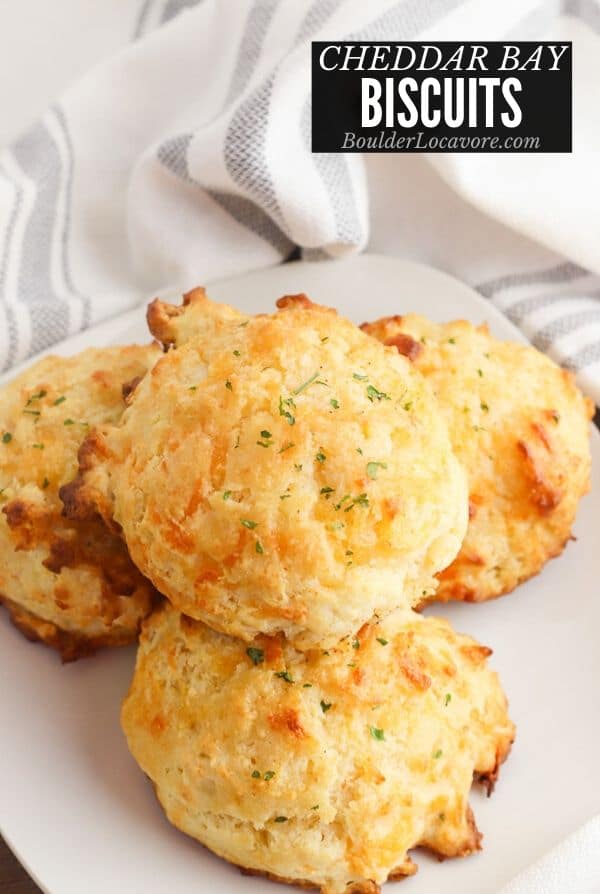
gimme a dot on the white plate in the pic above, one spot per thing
(80, 815)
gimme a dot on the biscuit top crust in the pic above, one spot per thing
(366, 749)
(520, 427)
(281, 472)
(70, 583)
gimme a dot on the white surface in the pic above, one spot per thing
(79, 813)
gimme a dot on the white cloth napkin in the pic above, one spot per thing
(573, 867)
(186, 157)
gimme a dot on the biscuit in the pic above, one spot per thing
(279, 473)
(323, 768)
(69, 584)
(519, 425)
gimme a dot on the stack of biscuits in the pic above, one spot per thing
(273, 499)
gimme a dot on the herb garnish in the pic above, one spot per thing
(447, 699)
(226, 494)
(257, 656)
(306, 384)
(287, 402)
(228, 385)
(256, 774)
(37, 396)
(383, 641)
(281, 819)
(6, 437)
(259, 547)
(284, 675)
(320, 457)
(334, 403)
(377, 733)
(269, 775)
(266, 435)
(68, 422)
(373, 467)
(248, 523)
(373, 394)
(59, 400)
(286, 446)
(360, 378)
(325, 706)
(38, 446)
(437, 754)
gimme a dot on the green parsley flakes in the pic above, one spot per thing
(281, 819)
(326, 491)
(6, 437)
(69, 422)
(373, 468)
(228, 385)
(267, 436)
(38, 446)
(45, 483)
(248, 523)
(37, 396)
(287, 446)
(356, 644)
(358, 377)
(377, 733)
(284, 675)
(256, 774)
(259, 548)
(256, 656)
(451, 341)
(236, 353)
(60, 400)
(306, 384)
(373, 394)
(437, 754)
(320, 457)
(359, 500)
(269, 775)
(447, 699)
(226, 495)
(383, 641)
(334, 403)
(285, 403)
(325, 706)
(32, 412)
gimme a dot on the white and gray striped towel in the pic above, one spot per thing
(186, 157)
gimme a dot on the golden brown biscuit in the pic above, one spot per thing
(281, 473)
(70, 584)
(323, 768)
(519, 425)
